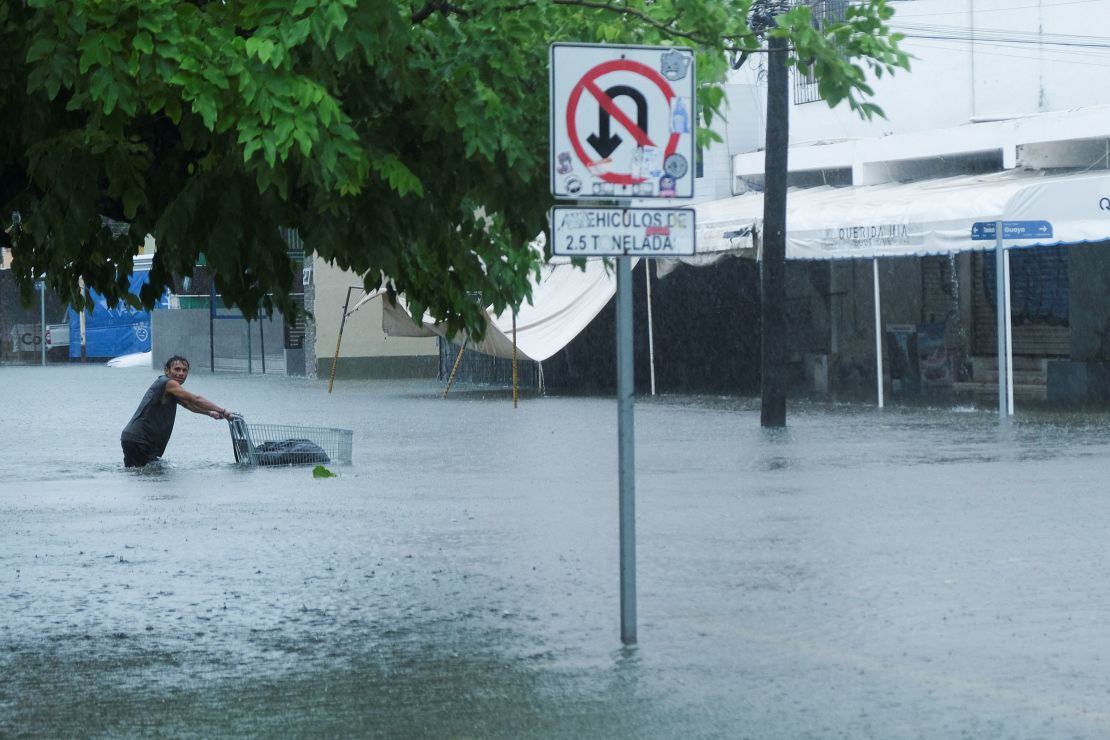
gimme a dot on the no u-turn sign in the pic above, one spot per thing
(622, 122)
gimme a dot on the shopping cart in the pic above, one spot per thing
(286, 444)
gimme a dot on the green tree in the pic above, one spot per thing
(406, 141)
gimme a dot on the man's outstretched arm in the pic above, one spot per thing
(196, 404)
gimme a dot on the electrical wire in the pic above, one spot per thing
(1007, 9)
(1084, 60)
(978, 37)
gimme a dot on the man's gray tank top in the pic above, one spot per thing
(152, 424)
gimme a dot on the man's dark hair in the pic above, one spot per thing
(176, 358)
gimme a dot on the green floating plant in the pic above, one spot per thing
(321, 472)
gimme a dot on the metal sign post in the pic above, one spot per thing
(1001, 289)
(626, 450)
(999, 231)
(622, 127)
(41, 285)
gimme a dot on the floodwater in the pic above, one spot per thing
(924, 573)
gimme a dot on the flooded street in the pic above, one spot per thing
(861, 574)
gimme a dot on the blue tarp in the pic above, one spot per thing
(111, 332)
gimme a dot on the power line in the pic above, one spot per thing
(978, 11)
(1081, 59)
(991, 40)
(1007, 34)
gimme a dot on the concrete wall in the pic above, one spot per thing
(365, 350)
(237, 346)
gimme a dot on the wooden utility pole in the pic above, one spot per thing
(773, 273)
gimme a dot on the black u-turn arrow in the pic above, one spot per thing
(604, 143)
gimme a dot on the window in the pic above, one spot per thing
(824, 12)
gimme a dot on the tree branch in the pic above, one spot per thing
(666, 27)
(434, 6)
(728, 42)
(632, 12)
(421, 15)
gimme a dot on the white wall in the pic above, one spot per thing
(1029, 57)
(362, 331)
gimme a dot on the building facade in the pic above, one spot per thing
(993, 87)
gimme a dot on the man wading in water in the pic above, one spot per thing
(145, 437)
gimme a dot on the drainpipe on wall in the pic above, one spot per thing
(310, 322)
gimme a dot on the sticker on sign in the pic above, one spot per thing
(618, 232)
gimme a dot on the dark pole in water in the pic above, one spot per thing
(773, 274)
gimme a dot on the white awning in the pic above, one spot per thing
(564, 300)
(917, 218)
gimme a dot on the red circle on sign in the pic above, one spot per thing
(587, 82)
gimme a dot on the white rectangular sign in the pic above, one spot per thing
(618, 232)
(623, 121)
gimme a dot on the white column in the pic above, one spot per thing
(1009, 343)
(878, 332)
(1001, 305)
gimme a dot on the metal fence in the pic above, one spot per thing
(220, 339)
(475, 368)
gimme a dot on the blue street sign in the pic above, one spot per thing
(983, 230)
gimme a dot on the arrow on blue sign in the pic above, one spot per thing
(982, 230)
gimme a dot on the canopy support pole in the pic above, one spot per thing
(339, 339)
(878, 333)
(1001, 291)
(651, 333)
(1009, 344)
(455, 368)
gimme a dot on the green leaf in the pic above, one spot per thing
(206, 108)
(143, 42)
(321, 472)
(173, 110)
(41, 48)
(304, 142)
(260, 48)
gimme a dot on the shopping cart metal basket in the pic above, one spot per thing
(287, 444)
